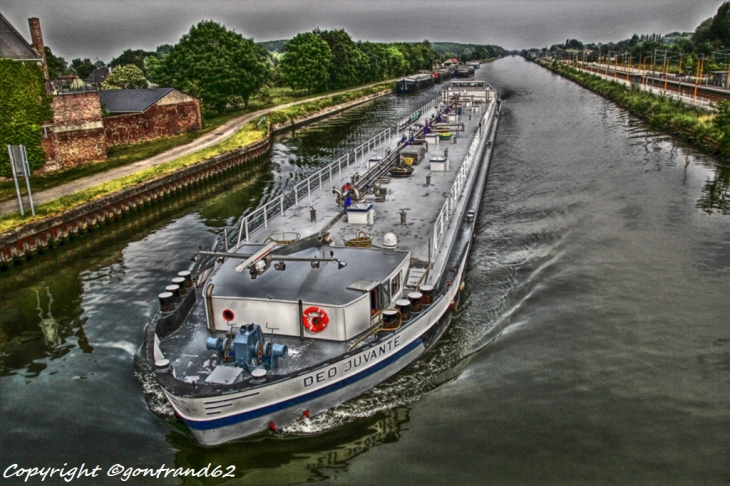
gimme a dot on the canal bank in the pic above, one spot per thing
(592, 346)
(46, 233)
(694, 126)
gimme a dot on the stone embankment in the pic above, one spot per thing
(48, 233)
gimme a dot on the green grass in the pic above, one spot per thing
(128, 154)
(245, 136)
(248, 134)
(116, 157)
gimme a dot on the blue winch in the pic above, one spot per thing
(247, 349)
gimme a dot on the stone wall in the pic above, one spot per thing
(164, 118)
(77, 134)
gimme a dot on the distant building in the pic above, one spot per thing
(78, 133)
(136, 115)
(98, 76)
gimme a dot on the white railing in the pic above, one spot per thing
(261, 217)
(407, 120)
(276, 207)
(447, 211)
(377, 140)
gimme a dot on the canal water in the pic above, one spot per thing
(593, 345)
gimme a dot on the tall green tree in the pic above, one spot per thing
(217, 65)
(56, 65)
(82, 67)
(125, 77)
(306, 62)
(134, 57)
(702, 33)
(720, 27)
(349, 64)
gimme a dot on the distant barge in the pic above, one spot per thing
(416, 82)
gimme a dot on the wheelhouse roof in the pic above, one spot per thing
(326, 285)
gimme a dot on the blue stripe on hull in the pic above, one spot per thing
(245, 416)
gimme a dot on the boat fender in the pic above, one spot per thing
(315, 319)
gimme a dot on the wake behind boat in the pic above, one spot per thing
(320, 295)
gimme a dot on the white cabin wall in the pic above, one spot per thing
(357, 316)
(281, 315)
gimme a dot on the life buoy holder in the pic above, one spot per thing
(315, 319)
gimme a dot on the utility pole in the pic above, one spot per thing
(653, 69)
(700, 61)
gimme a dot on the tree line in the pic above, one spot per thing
(224, 69)
(710, 42)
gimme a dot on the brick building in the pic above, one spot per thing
(146, 114)
(78, 133)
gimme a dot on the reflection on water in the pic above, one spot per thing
(714, 197)
(48, 324)
(291, 459)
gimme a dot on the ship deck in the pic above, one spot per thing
(422, 203)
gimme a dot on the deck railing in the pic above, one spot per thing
(261, 216)
(447, 210)
(376, 141)
(407, 120)
(277, 206)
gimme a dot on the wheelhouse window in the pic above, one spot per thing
(374, 307)
(394, 285)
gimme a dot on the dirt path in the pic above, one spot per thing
(218, 135)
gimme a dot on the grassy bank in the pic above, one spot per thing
(129, 154)
(700, 128)
(248, 134)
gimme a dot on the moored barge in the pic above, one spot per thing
(414, 83)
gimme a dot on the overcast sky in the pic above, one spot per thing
(104, 28)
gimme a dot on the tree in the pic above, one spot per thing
(56, 65)
(349, 64)
(217, 65)
(131, 57)
(306, 61)
(702, 33)
(83, 67)
(720, 27)
(125, 77)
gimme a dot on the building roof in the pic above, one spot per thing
(13, 45)
(98, 75)
(131, 100)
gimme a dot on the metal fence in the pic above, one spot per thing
(698, 101)
(447, 211)
(407, 120)
(61, 86)
(262, 215)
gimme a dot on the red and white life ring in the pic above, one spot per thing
(315, 319)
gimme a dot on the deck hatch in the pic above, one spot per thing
(363, 285)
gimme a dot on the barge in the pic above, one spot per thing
(325, 291)
(414, 83)
(465, 71)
